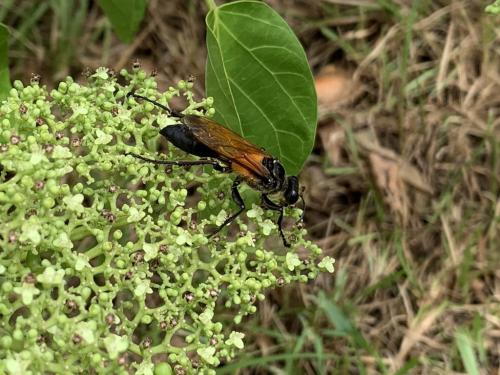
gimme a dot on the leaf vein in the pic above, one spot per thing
(256, 20)
(261, 112)
(265, 68)
(219, 49)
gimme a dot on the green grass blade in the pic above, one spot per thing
(4, 62)
(465, 347)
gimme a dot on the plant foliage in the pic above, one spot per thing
(104, 260)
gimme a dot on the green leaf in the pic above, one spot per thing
(327, 264)
(28, 292)
(115, 345)
(206, 316)
(236, 339)
(102, 138)
(258, 74)
(292, 261)
(4, 62)
(208, 355)
(467, 353)
(74, 202)
(150, 251)
(86, 330)
(125, 16)
(51, 276)
(63, 241)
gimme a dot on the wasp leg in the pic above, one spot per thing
(275, 207)
(183, 163)
(238, 200)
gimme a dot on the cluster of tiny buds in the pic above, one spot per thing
(280, 281)
(108, 215)
(76, 142)
(77, 339)
(30, 278)
(12, 237)
(48, 148)
(15, 139)
(30, 212)
(110, 319)
(168, 324)
(179, 370)
(71, 305)
(138, 257)
(188, 296)
(146, 343)
(35, 79)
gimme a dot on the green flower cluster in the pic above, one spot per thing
(105, 263)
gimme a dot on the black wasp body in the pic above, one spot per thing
(227, 152)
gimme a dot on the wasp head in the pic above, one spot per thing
(279, 182)
(291, 192)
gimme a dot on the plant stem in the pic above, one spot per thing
(211, 4)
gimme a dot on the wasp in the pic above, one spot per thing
(228, 152)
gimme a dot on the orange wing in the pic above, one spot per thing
(228, 144)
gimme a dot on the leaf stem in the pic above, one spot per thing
(211, 4)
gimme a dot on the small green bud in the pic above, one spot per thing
(18, 85)
(62, 88)
(6, 342)
(96, 309)
(18, 335)
(201, 205)
(163, 369)
(48, 202)
(32, 333)
(85, 292)
(17, 198)
(96, 358)
(48, 356)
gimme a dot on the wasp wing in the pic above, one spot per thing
(228, 144)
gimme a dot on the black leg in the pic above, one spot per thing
(238, 200)
(275, 207)
(182, 163)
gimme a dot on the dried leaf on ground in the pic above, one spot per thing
(334, 87)
(387, 176)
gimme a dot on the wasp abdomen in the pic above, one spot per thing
(182, 137)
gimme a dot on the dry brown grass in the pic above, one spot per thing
(406, 191)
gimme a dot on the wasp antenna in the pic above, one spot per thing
(154, 102)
